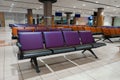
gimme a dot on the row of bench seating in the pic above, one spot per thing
(111, 33)
(16, 30)
(31, 44)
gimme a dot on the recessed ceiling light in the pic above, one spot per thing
(37, 8)
(117, 6)
(74, 6)
(62, 9)
(57, 10)
(12, 5)
(96, 2)
(93, 9)
(114, 9)
(108, 7)
(83, 4)
(41, 7)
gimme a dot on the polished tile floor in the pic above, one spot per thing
(68, 66)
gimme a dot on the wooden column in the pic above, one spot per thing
(68, 16)
(2, 19)
(100, 17)
(113, 20)
(29, 16)
(53, 22)
(95, 19)
(37, 18)
(47, 4)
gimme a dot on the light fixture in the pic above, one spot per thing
(96, 2)
(83, 4)
(41, 7)
(108, 7)
(117, 6)
(12, 5)
(63, 9)
(114, 9)
(74, 6)
(102, 13)
(57, 10)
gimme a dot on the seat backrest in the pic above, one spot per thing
(112, 31)
(106, 31)
(31, 40)
(53, 39)
(15, 29)
(24, 30)
(86, 37)
(71, 38)
(66, 29)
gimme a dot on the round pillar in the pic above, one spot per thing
(47, 4)
(68, 16)
(37, 18)
(95, 19)
(113, 20)
(100, 17)
(29, 16)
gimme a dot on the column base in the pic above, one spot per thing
(53, 1)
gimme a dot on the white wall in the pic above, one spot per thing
(11, 18)
(107, 21)
(117, 21)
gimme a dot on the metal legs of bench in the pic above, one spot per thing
(107, 39)
(90, 51)
(35, 64)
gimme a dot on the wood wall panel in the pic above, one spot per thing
(2, 19)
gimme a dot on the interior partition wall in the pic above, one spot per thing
(12, 18)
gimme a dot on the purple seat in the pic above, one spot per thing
(54, 29)
(54, 40)
(66, 29)
(24, 30)
(31, 46)
(41, 30)
(32, 41)
(72, 39)
(87, 38)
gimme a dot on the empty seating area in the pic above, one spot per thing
(37, 44)
(110, 33)
(59, 39)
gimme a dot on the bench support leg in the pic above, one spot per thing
(35, 64)
(107, 39)
(31, 60)
(92, 53)
(83, 51)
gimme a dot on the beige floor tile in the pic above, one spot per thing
(75, 70)
(103, 74)
(81, 76)
(30, 75)
(87, 68)
(50, 76)
(63, 73)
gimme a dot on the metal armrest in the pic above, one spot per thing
(20, 54)
(18, 44)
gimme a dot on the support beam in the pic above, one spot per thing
(29, 16)
(100, 17)
(68, 16)
(2, 19)
(47, 4)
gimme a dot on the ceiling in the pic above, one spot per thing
(84, 7)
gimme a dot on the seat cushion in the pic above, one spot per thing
(83, 47)
(62, 49)
(95, 45)
(36, 53)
